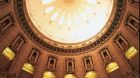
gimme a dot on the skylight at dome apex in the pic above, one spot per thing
(69, 21)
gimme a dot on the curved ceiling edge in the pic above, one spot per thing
(19, 7)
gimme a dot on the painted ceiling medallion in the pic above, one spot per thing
(69, 21)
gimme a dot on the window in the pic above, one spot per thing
(28, 68)
(122, 42)
(51, 63)
(17, 43)
(91, 74)
(70, 66)
(34, 55)
(5, 23)
(106, 56)
(131, 52)
(9, 53)
(132, 22)
(88, 63)
(48, 74)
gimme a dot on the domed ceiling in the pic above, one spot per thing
(69, 26)
(69, 21)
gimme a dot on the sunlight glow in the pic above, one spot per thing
(28, 68)
(53, 17)
(8, 53)
(92, 1)
(61, 21)
(131, 52)
(91, 74)
(112, 67)
(48, 10)
(69, 76)
(49, 74)
(46, 1)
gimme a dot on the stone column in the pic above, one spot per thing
(79, 67)
(8, 37)
(99, 65)
(60, 67)
(130, 36)
(19, 61)
(119, 58)
(41, 65)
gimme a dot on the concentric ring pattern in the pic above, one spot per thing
(69, 21)
(59, 17)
